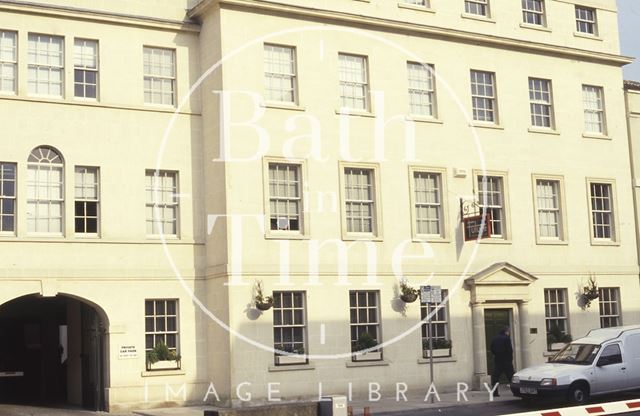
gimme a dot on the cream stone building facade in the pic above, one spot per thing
(159, 159)
(632, 95)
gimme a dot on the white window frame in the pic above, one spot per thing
(162, 334)
(473, 7)
(505, 221)
(422, 87)
(290, 76)
(293, 345)
(529, 13)
(354, 85)
(608, 300)
(613, 240)
(303, 231)
(38, 200)
(155, 77)
(9, 62)
(551, 317)
(79, 65)
(4, 198)
(560, 209)
(435, 322)
(442, 205)
(376, 233)
(367, 323)
(582, 21)
(80, 197)
(538, 89)
(50, 68)
(160, 205)
(478, 97)
(596, 109)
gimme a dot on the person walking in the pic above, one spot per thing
(502, 351)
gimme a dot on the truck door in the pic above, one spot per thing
(632, 352)
(610, 371)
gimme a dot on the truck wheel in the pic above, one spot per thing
(579, 393)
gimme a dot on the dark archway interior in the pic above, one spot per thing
(51, 352)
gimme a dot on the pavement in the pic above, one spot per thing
(415, 402)
(478, 404)
(20, 410)
(387, 405)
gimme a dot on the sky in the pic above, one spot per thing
(629, 16)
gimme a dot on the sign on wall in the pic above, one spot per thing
(430, 294)
(127, 352)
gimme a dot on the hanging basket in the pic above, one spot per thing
(409, 297)
(591, 295)
(264, 306)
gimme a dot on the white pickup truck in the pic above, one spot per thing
(606, 360)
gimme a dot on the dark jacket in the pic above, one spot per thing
(501, 348)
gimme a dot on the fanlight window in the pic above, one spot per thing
(45, 155)
(45, 191)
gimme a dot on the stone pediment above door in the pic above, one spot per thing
(500, 282)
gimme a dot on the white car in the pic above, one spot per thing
(606, 360)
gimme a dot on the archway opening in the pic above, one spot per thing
(52, 352)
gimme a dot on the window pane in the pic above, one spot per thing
(289, 324)
(421, 89)
(160, 324)
(360, 200)
(159, 76)
(285, 197)
(45, 64)
(483, 96)
(280, 73)
(354, 84)
(161, 190)
(490, 195)
(364, 319)
(87, 203)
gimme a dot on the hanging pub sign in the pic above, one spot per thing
(475, 229)
(472, 215)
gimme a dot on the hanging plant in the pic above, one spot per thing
(408, 294)
(262, 301)
(590, 292)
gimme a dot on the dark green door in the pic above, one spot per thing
(494, 321)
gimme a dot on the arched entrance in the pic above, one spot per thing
(52, 352)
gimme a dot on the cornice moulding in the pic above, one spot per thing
(98, 16)
(415, 28)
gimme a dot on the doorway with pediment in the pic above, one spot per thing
(500, 296)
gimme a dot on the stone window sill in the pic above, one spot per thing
(437, 360)
(163, 373)
(535, 27)
(416, 7)
(540, 130)
(300, 367)
(481, 125)
(355, 364)
(283, 106)
(477, 17)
